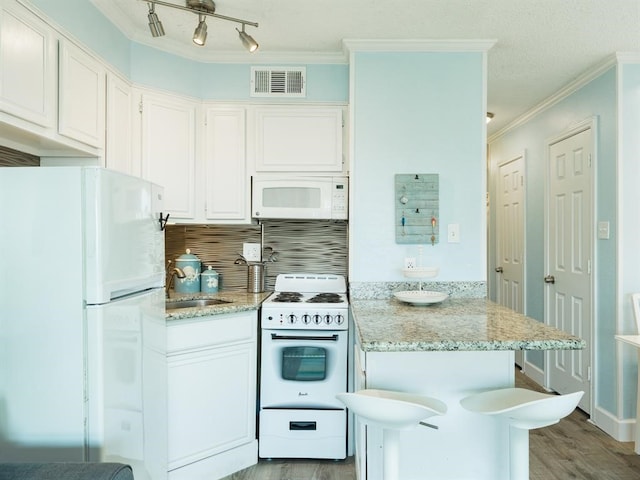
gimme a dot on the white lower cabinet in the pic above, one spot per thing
(212, 376)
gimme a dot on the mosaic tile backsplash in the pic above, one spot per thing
(302, 246)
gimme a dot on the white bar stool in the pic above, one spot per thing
(524, 410)
(392, 411)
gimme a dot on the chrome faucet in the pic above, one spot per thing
(172, 273)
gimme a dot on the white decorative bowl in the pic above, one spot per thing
(421, 272)
(421, 297)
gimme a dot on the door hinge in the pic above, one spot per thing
(140, 106)
(589, 373)
(589, 160)
(588, 267)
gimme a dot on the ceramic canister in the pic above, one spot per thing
(209, 280)
(190, 265)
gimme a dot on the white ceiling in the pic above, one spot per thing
(541, 45)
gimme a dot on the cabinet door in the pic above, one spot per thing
(212, 375)
(211, 402)
(27, 66)
(294, 138)
(227, 192)
(168, 143)
(118, 149)
(81, 96)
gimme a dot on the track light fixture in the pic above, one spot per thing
(247, 40)
(202, 8)
(155, 25)
(489, 116)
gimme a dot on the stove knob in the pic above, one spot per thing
(291, 318)
(317, 319)
(328, 319)
(339, 319)
(306, 319)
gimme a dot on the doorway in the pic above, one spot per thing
(569, 234)
(510, 244)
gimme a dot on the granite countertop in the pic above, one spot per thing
(389, 325)
(239, 302)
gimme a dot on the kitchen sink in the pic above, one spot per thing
(203, 302)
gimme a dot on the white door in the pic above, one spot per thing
(568, 304)
(510, 237)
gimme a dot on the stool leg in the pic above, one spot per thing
(391, 454)
(518, 453)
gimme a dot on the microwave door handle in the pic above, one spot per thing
(332, 338)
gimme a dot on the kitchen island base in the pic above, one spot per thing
(465, 445)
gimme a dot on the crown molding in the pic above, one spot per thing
(568, 90)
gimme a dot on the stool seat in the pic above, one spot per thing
(523, 410)
(392, 411)
(526, 409)
(389, 409)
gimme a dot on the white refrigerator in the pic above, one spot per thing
(82, 323)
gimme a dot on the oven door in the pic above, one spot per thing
(303, 369)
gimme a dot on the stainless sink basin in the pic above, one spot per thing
(203, 302)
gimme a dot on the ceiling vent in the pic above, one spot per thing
(278, 81)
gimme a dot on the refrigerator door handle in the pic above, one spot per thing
(163, 221)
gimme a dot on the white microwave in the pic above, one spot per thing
(297, 197)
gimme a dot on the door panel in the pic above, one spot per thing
(570, 233)
(510, 237)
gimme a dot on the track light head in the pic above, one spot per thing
(489, 117)
(200, 33)
(155, 25)
(204, 9)
(247, 40)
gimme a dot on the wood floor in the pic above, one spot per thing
(571, 449)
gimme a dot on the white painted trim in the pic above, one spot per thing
(417, 45)
(620, 430)
(566, 91)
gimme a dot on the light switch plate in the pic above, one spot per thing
(453, 233)
(603, 230)
(251, 252)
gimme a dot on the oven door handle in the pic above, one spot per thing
(332, 338)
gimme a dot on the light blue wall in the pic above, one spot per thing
(598, 98)
(417, 112)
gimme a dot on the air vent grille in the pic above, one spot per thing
(278, 82)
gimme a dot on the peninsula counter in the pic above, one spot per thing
(448, 351)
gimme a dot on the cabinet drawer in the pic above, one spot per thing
(200, 332)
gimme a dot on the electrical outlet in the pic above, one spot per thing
(251, 252)
(410, 262)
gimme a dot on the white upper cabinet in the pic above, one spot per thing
(81, 113)
(119, 146)
(168, 149)
(28, 66)
(298, 138)
(227, 182)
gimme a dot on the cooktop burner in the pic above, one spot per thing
(288, 297)
(326, 298)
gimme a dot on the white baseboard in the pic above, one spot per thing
(620, 430)
(534, 373)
